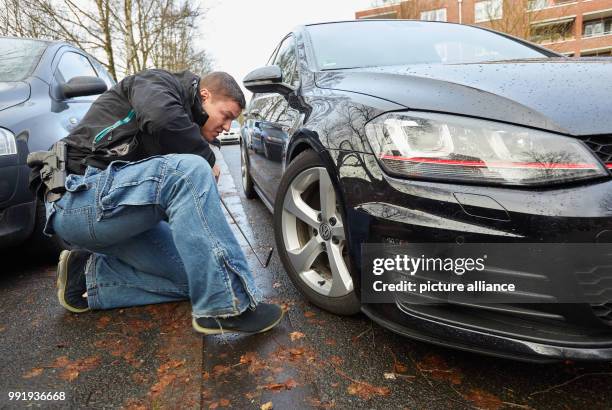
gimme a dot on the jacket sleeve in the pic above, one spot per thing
(160, 113)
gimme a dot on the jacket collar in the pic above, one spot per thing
(190, 83)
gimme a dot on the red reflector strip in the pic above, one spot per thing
(482, 164)
(609, 165)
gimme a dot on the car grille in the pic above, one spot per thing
(600, 145)
(597, 288)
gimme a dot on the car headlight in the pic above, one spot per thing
(7, 142)
(454, 148)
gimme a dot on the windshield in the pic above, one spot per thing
(235, 124)
(18, 57)
(386, 43)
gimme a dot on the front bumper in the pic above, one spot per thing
(17, 204)
(17, 223)
(229, 138)
(381, 209)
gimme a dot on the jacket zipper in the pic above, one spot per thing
(131, 114)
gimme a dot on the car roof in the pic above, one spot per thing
(373, 20)
(32, 39)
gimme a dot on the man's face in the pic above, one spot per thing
(221, 112)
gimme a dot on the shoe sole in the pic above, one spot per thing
(217, 331)
(62, 279)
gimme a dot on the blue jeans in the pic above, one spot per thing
(158, 234)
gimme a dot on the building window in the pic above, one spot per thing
(384, 16)
(598, 27)
(538, 4)
(434, 15)
(597, 53)
(552, 33)
(488, 10)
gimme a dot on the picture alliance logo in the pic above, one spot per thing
(411, 265)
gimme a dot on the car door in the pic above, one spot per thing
(275, 119)
(70, 64)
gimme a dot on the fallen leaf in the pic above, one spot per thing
(336, 360)
(365, 391)
(296, 352)
(72, 369)
(483, 399)
(37, 371)
(2, 328)
(172, 364)
(224, 402)
(255, 364)
(296, 336)
(252, 395)
(213, 405)
(267, 406)
(219, 370)
(389, 376)
(248, 357)
(286, 385)
(103, 322)
(400, 368)
(439, 370)
(61, 361)
(276, 285)
(309, 314)
(69, 374)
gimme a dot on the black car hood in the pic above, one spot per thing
(13, 93)
(571, 96)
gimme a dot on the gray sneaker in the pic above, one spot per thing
(263, 318)
(71, 283)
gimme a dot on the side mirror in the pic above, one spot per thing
(268, 79)
(82, 86)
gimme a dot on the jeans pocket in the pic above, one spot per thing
(131, 183)
(75, 183)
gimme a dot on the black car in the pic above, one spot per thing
(415, 132)
(45, 89)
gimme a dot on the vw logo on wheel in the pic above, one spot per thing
(325, 231)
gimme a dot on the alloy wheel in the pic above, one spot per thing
(313, 233)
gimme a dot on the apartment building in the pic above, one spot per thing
(570, 27)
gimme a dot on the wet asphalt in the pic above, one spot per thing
(148, 357)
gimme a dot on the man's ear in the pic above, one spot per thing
(204, 94)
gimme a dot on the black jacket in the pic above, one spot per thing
(154, 112)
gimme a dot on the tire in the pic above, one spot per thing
(39, 243)
(323, 279)
(247, 181)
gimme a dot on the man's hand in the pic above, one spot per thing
(216, 172)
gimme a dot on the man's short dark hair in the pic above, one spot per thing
(222, 84)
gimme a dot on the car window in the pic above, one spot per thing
(286, 60)
(386, 43)
(74, 65)
(19, 57)
(103, 74)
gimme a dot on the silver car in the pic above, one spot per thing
(231, 136)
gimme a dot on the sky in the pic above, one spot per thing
(240, 35)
